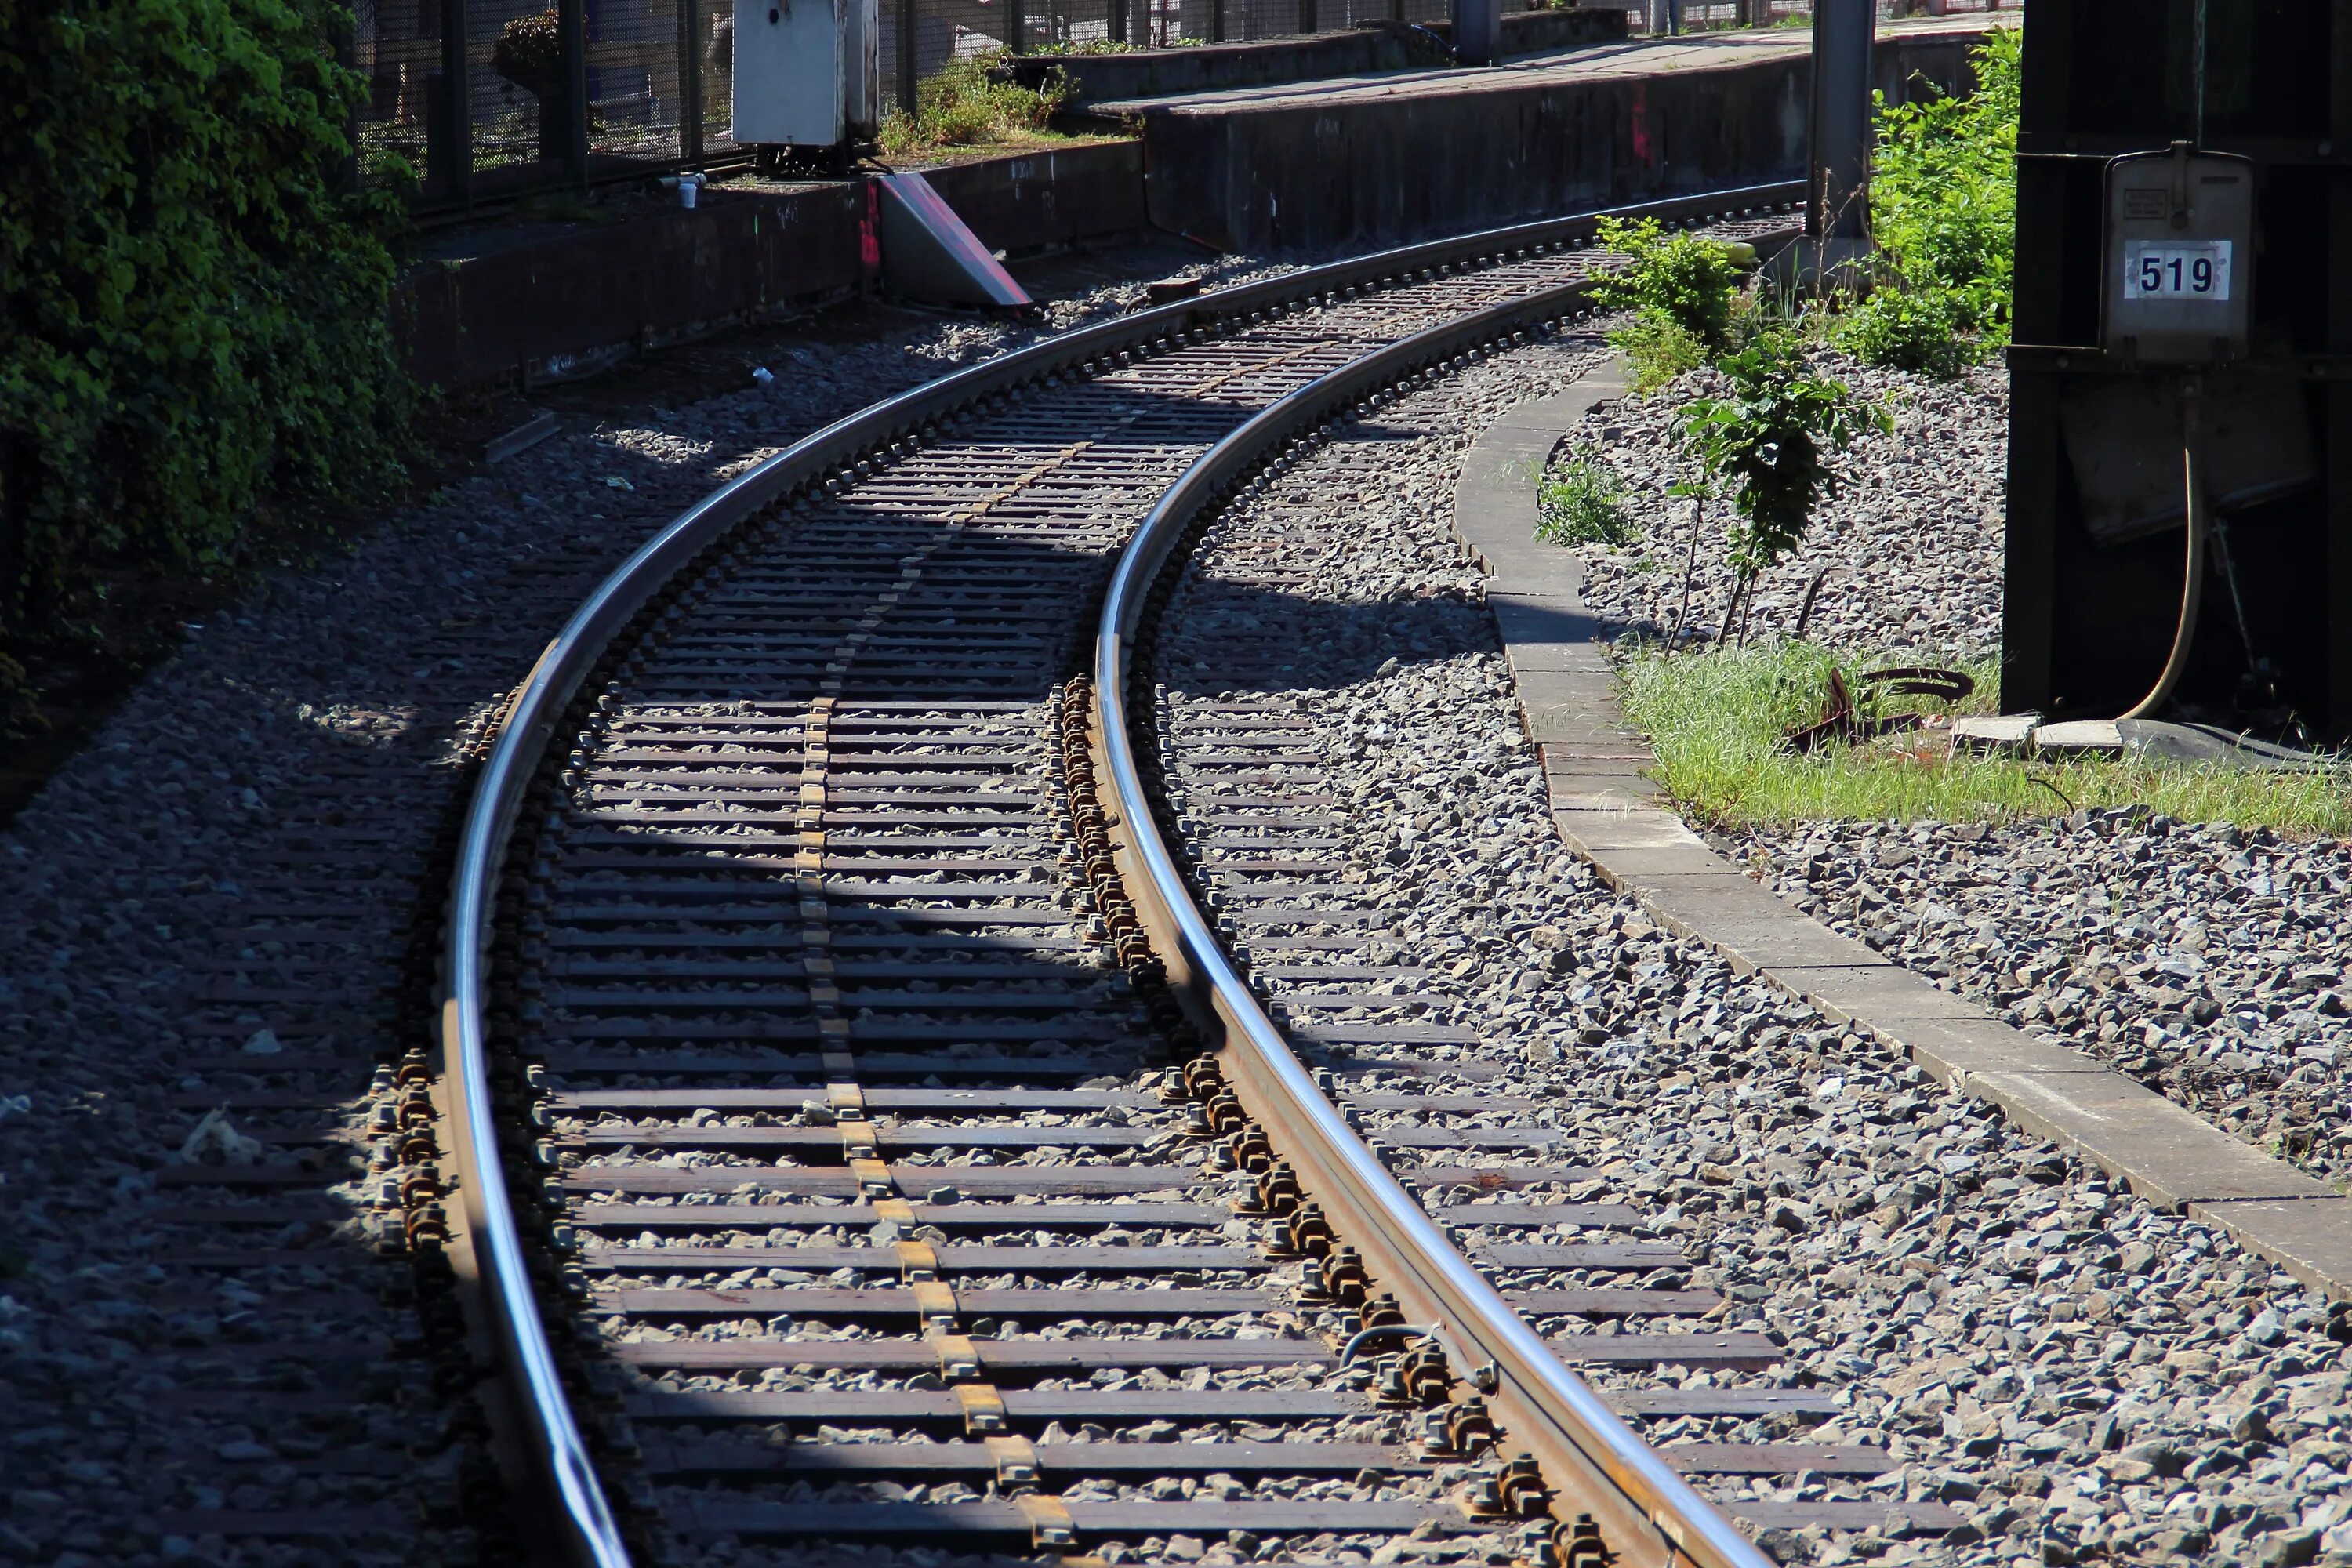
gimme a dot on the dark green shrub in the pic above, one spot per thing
(189, 318)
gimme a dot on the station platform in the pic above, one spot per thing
(1393, 157)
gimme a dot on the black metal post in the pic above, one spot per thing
(1216, 21)
(1115, 21)
(1478, 31)
(571, 31)
(1837, 205)
(689, 82)
(1016, 26)
(455, 107)
(911, 62)
(1306, 15)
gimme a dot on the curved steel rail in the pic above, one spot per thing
(582, 1527)
(1542, 1404)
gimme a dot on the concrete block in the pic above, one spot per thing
(1866, 989)
(2311, 1238)
(1955, 1049)
(2097, 735)
(2170, 1156)
(2007, 733)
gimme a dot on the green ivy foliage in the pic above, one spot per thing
(192, 319)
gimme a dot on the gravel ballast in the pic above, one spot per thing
(2202, 960)
(227, 875)
(2075, 1373)
(2206, 962)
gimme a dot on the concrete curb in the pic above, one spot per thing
(1608, 809)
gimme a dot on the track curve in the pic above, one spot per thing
(847, 864)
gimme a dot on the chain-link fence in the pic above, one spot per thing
(492, 99)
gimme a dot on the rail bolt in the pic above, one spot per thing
(1579, 1544)
(1426, 1377)
(1343, 1275)
(1310, 1232)
(1380, 1310)
(1469, 1426)
(1522, 1484)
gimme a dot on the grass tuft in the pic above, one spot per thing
(966, 106)
(1718, 719)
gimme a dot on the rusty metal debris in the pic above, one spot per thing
(1842, 718)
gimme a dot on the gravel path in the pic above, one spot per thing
(1912, 542)
(291, 758)
(2203, 961)
(2075, 1373)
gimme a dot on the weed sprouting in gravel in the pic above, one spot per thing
(1767, 446)
(1582, 501)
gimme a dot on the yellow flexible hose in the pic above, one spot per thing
(2192, 463)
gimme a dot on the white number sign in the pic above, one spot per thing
(2190, 270)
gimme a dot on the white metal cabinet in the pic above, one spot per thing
(807, 72)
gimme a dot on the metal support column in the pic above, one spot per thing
(2337, 397)
(690, 81)
(1115, 21)
(1306, 15)
(571, 32)
(1016, 26)
(450, 128)
(1478, 31)
(1838, 206)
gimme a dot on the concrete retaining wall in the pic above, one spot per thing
(1460, 151)
(540, 303)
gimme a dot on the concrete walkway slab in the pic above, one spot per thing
(1609, 811)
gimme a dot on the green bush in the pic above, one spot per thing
(1897, 329)
(1769, 443)
(189, 318)
(1943, 188)
(1685, 278)
(1581, 501)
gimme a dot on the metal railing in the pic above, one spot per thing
(1656, 16)
(580, 1523)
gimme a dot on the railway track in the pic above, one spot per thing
(868, 1146)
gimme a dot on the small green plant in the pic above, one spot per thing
(1685, 277)
(1897, 329)
(1582, 502)
(1769, 444)
(968, 105)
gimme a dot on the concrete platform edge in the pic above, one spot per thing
(2165, 1154)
